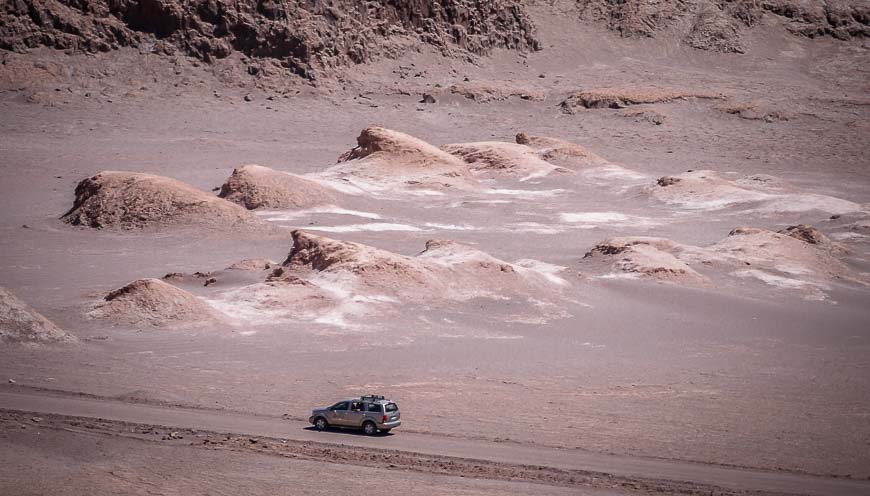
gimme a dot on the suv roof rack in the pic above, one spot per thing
(371, 397)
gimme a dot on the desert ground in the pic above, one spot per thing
(602, 265)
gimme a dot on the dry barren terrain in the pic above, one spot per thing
(582, 227)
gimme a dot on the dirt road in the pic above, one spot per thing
(570, 466)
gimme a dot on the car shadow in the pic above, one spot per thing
(349, 431)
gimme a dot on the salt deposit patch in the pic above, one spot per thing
(849, 236)
(612, 172)
(534, 227)
(525, 193)
(619, 275)
(595, 219)
(452, 227)
(813, 290)
(372, 227)
(807, 203)
(479, 336)
(280, 215)
(480, 202)
(548, 270)
(424, 192)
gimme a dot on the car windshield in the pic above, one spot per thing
(391, 407)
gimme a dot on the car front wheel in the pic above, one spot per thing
(370, 428)
(321, 424)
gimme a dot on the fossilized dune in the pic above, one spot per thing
(131, 200)
(20, 323)
(792, 251)
(497, 156)
(556, 148)
(385, 158)
(708, 190)
(798, 258)
(647, 257)
(154, 303)
(445, 269)
(255, 186)
(335, 282)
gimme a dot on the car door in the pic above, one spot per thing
(337, 413)
(355, 415)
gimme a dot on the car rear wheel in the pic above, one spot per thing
(321, 424)
(370, 428)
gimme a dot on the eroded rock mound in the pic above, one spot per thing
(307, 38)
(130, 200)
(717, 30)
(808, 234)
(20, 323)
(799, 259)
(445, 269)
(556, 148)
(152, 302)
(252, 264)
(384, 157)
(616, 98)
(501, 157)
(339, 283)
(754, 112)
(647, 257)
(255, 186)
(709, 190)
(487, 92)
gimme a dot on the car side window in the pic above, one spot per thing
(342, 405)
(374, 407)
(356, 406)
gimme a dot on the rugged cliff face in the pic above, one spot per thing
(308, 37)
(316, 39)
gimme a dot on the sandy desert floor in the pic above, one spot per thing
(702, 351)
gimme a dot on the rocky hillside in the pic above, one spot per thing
(306, 37)
(719, 24)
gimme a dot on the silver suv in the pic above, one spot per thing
(369, 413)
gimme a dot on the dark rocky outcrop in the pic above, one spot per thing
(305, 36)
